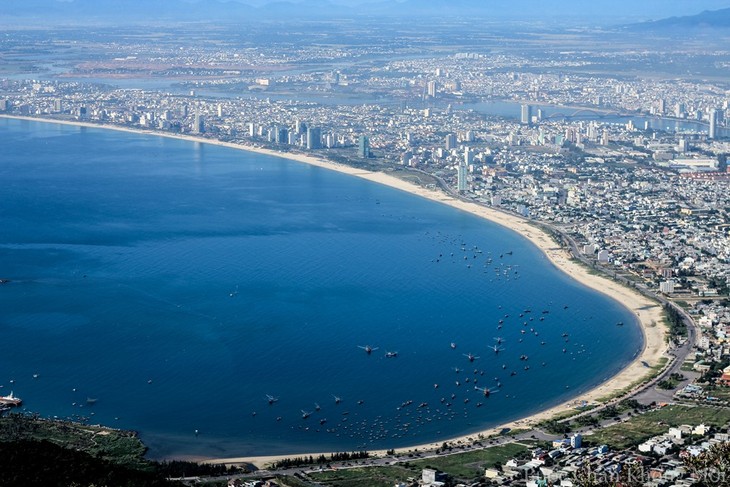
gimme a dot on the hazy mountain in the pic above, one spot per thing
(715, 19)
(598, 11)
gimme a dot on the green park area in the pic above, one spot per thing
(641, 427)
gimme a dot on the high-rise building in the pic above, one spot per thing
(282, 135)
(4, 105)
(468, 156)
(300, 127)
(666, 287)
(198, 124)
(431, 89)
(679, 110)
(220, 110)
(330, 141)
(450, 142)
(405, 158)
(570, 135)
(461, 183)
(57, 106)
(592, 131)
(713, 124)
(363, 148)
(576, 441)
(526, 115)
(314, 138)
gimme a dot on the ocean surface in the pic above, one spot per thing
(171, 287)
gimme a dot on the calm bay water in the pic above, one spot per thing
(179, 284)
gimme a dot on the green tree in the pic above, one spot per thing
(712, 467)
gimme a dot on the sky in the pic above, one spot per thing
(600, 11)
(595, 11)
(662, 7)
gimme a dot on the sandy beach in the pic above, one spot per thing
(647, 312)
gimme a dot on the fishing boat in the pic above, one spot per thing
(10, 400)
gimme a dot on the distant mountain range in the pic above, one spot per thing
(715, 19)
(597, 11)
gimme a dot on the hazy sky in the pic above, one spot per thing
(593, 11)
(601, 10)
(682, 7)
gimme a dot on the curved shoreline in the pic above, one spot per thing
(647, 312)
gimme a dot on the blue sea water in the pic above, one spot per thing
(178, 284)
